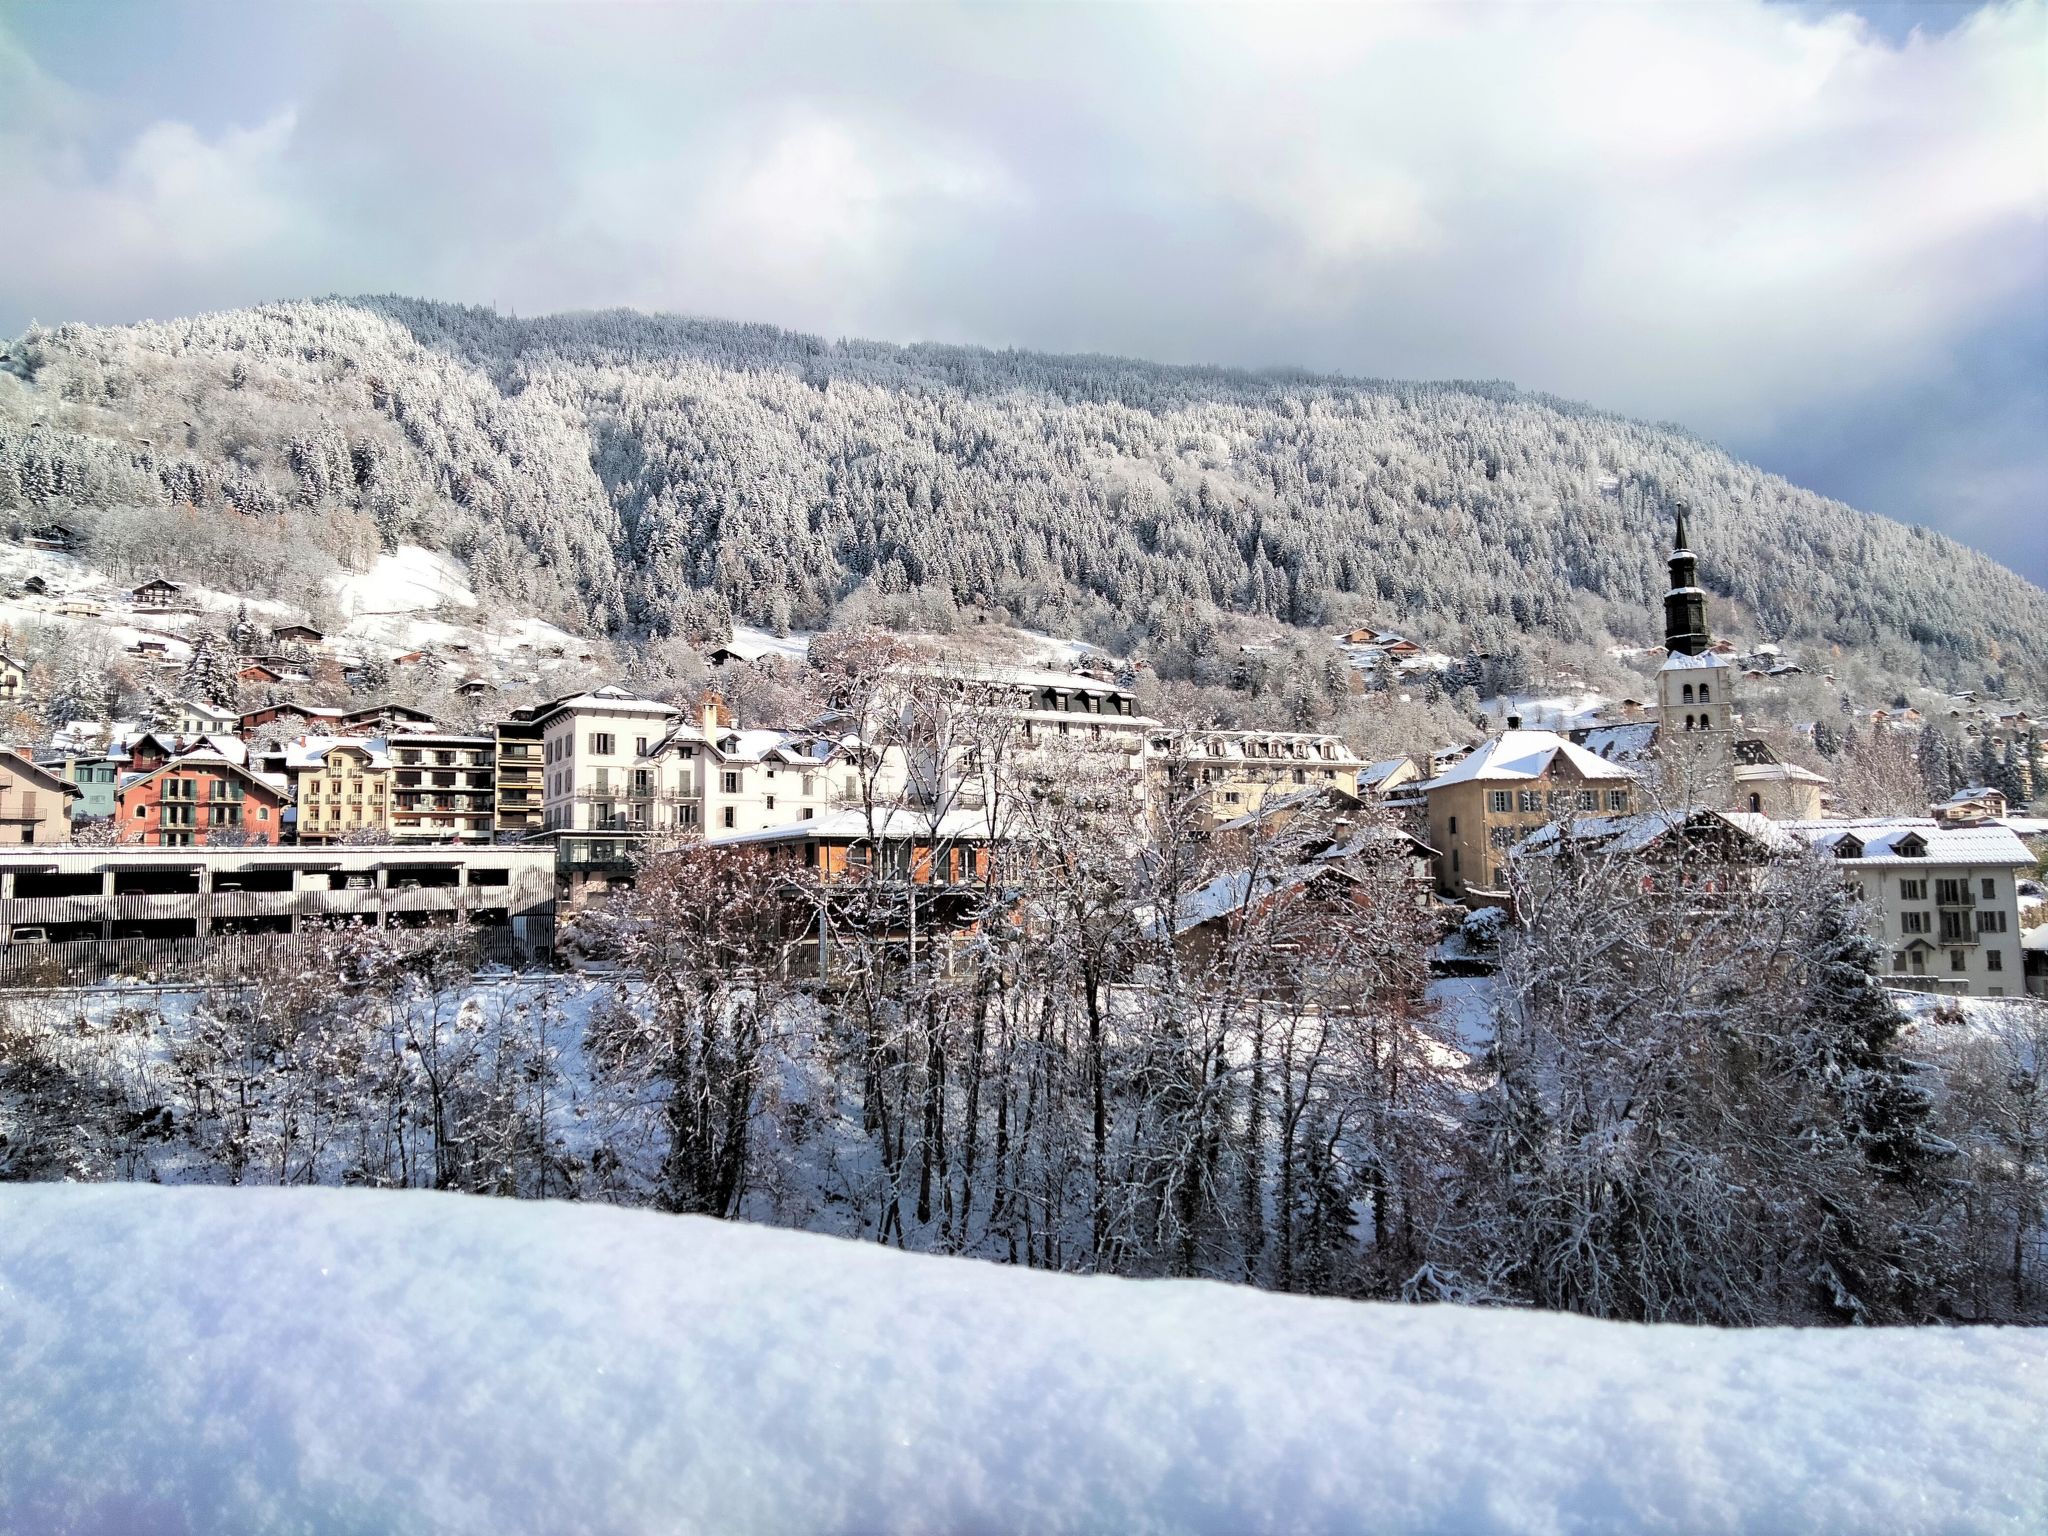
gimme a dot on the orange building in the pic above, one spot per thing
(198, 799)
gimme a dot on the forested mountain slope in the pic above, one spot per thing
(632, 471)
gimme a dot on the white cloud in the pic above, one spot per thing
(1726, 214)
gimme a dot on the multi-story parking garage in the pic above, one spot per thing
(86, 910)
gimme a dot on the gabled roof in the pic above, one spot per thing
(1516, 756)
(38, 774)
(1634, 834)
(216, 762)
(1879, 841)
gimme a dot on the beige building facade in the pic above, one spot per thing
(1482, 806)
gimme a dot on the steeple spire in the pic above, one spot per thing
(1685, 605)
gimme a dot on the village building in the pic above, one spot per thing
(1974, 803)
(297, 634)
(35, 803)
(13, 680)
(158, 595)
(522, 787)
(196, 717)
(1515, 783)
(341, 786)
(93, 775)
(1694, 850)
(198, 799)
(1391, 776)
(1216, 776)
(1943, 900)
(443, 787)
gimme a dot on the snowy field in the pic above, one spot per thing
(252, 1361)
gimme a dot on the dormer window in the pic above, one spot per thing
(1911, 846)
(1849, 848)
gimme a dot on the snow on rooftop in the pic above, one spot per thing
(1517, 755)
(1678, 661)
(1880, 838)
(266, 1360)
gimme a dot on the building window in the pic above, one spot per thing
(808, 813)
(1454, 832)
(1501, 800)
(1990, 922)
(1454, 861)
(1589, 800)
(1913, 890)
(1688, 693)
(1705, 697)
(729, 782)
(1912, 922)
(639, 746)
(730, 816)
(1994, 959)
(1617, 799)
(601, 743)
(769, 800)
(1958, 960)
(1756, 804)
(1530, 800)
(1990, 889)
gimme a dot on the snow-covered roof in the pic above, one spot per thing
(1777, 773)
(1522, 755)
(1621, 743)
(1376, 774)
(1880, 840)
(1678, 661)
(610, 699)
(311, 751)
(1632, 834)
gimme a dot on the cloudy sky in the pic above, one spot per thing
(1816, 234)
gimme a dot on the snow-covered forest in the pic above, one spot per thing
(632, 474)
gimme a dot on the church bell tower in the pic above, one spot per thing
(1695, 690)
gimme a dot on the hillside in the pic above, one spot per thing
(415, 1362)
(620, 472)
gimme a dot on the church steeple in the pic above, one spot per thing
(1685, 605)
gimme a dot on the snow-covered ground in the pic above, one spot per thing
(342, 1360)
(406, 580)
(415, 598)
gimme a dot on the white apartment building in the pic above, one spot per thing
(611, 762)
(597, 751)
(1944, 901)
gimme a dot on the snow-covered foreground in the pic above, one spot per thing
(327, 1360)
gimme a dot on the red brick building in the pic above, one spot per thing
(198, 799)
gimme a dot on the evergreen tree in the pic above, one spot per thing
(209, 675)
